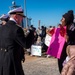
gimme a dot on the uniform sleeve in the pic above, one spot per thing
(20, 37)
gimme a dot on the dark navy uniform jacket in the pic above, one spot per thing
(11, 39)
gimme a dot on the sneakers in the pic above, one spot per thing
(48, 56)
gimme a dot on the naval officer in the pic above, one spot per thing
(11, 39)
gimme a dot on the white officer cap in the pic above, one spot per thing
(4, 16)
(18, 11)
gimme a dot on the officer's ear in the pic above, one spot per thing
(15, 17)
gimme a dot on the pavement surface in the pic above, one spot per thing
(40, 66)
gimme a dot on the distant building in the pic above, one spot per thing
(28, 22)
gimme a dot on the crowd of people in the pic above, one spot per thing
(55, 41)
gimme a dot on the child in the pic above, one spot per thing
(69, 67)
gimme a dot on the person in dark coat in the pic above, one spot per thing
(11, 39)
(67, 20)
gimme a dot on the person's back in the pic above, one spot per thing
(8, 43)
(12, 38)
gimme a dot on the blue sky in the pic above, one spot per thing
(48, 11)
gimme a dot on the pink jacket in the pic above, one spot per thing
(56, 44)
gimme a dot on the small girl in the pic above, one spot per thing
(69, 65)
